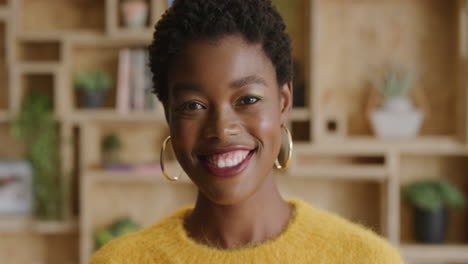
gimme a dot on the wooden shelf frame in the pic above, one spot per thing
(27, 224)
(435, 253)
(81, 158)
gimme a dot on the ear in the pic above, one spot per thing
(286, 97)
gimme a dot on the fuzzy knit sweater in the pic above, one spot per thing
(312, 236)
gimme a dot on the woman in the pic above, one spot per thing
(222, 69)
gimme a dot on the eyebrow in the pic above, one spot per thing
(252, 79)
(179, 87)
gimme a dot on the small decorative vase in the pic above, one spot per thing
(396, 119)
(134, 13)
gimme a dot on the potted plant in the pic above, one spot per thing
(134, 13)
(430, 200)
(111, 146)
(122, 226)
(36, 127)
(92, 85)
(397, 117)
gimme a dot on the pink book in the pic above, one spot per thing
(123, 82)
(138, 79)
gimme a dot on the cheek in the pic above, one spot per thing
(265, 127)
(183, 136)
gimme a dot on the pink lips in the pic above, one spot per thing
(227, 171)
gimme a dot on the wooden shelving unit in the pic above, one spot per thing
(336, 45)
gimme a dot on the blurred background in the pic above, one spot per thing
(380, 123)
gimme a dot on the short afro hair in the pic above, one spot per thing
(257, 21)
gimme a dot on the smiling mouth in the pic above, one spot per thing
(227, 164)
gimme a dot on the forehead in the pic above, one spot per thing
(219, 62)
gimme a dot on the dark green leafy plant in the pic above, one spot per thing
(121, 227)
(36, 127)
(432, 195)
(92, 81)
(111, 142)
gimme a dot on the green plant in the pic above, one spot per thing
(395, 83)
(36, 127)
(121, 227)
(432, 195)
(92, 81)
(111, 142)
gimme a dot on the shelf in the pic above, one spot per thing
(129, 177)
(111, 115)
(420, 145)
(48, 16)
(26, 224)
(145, 35)
(342, 172)
(14, 224)
(300, 114)
(39, 51)
(38, 67)
(435, 253)
(54, 227)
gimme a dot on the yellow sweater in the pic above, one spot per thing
(312, 236)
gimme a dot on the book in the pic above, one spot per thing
(123, 82)
(134, 86)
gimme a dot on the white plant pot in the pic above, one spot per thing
(398, 104)
(134, 13)
(400, 125)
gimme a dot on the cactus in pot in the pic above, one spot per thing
(397, 117)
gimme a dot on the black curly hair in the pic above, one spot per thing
(257, 21)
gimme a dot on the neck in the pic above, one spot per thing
(251, 221)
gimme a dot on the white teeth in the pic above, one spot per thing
(228, 160)
(221, 164)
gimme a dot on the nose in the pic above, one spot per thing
(221, 123)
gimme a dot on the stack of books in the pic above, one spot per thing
(134, 83)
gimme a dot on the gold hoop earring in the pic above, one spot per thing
(161, 160)
(290, 144)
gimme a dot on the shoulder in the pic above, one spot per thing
(347, 240)
(141, 247)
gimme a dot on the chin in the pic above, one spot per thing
(230, 193)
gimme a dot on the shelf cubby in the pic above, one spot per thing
(351, 166)
(139, 196)
(344, 198)
(300, 131)
(140, 142)
(49, 16)
(296, 16)
(39, 51)
(56, 249)
(359, 38)
(102, 57)
(91, 57)
(115, 25)
(449, 167)
(39, 82)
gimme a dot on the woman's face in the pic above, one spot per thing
(225, 111)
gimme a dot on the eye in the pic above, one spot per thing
(190, 106)
(248, 99)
